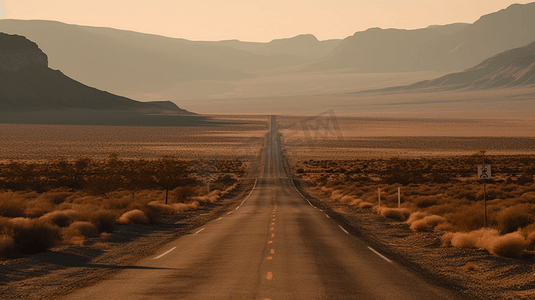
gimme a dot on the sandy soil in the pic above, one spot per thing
(329, 136)
(233, 137)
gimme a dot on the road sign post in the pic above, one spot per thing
(484, 173)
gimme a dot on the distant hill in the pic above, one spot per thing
(126, 62)
(512, 68)
(27, 85)
(438, 48)
(305, 46)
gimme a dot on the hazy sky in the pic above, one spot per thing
(253, 20)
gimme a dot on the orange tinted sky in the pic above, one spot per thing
(251, 20)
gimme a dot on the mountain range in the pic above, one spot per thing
(126, 62)
(442, 48)
(131, 64)
(29, 89)
(512, 68)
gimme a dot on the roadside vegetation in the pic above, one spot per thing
(440, 194)
(44, 204)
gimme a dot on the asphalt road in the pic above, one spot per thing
(275, 245)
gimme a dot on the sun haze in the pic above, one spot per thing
(254, 20)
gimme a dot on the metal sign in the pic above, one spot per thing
(484, 172)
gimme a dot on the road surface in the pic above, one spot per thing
(275, 245)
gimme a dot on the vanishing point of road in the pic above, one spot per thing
(275, 245)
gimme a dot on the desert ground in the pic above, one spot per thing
(341, 162)
(338, 162)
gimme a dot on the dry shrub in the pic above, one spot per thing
(415, 216)
(175, 208)
(182, 207)
(400, 214)
(354, 202)
(12, 206)
(337, 195)
(513, 218)
(509, 245)
(212, 197)
(61, 218)
(475, 239)
(531, 241)
(428, 223)
(77, 232)
(365, 205)
(37, 208)
(104, 220)
(425, 201)
(470, 267)
(164, 209)
(135, 216)
(467, 217)
(7, 245)
(33, 235)
(82, 228)
(55, 197)
(326, 190)
(183, 193)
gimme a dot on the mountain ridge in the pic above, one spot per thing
(27, 84)
(436, 48)
(511, 68)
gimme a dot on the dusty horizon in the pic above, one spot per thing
(256, 22)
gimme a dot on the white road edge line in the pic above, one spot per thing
(327, 216)
(380, 255)
(219, 219)
(199, 231)
(302, 194)
(254, 186)
(343, 229)
(161, 255)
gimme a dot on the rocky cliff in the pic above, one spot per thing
(18, 53)
(28, 85)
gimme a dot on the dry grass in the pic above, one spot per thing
(66, 206)
(451, 202)
(135, 216)
(400, 214)
(427, 223)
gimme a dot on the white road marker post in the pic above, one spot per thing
(399, 197)
(379, 196)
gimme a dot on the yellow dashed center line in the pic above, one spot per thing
(272, 251)
(269, 276)
(269, 258)
(270, 242)
(272, 235)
